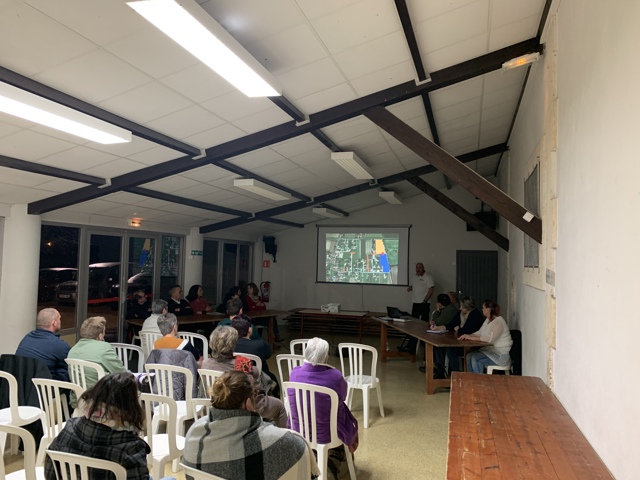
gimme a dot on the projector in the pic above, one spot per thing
(330, 308)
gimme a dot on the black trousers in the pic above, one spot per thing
(421, 311)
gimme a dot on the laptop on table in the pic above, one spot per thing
(395, 313)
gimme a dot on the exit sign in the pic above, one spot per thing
(196, 253)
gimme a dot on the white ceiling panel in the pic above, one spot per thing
(77, 159)
(327, 98)
(114, 168)
(31, 146)
(387, 51)
(262, 120)
(298, 145)
(199, 83)
(456, 53)
(311, 79)
(171, 184)
(60, 185)
(505, 12)
(155, 155)
(513, 33)
(385, 78)
(186, 123)
(235, 105)
(215, 136)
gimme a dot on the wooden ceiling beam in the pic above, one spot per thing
(461, 212)
(459, 173)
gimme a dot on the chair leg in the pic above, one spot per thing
(365, 406)
(323, 454)
(379, 391)
(44, 444)
(175, 465)
(352, 468)
(349, 396)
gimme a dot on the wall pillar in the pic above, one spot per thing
(193, 263)
(19, 276)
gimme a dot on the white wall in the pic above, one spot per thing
(435, 236)
(595, 373)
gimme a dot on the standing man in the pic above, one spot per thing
(178, 305)
(44, 344)
(421, 289)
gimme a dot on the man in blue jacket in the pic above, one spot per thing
(44, 344)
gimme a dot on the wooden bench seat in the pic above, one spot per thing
(512, 427)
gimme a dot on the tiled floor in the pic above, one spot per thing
(410, 442)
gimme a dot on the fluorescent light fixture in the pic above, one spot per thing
(20, 103)
(327, 212)
(520, 61)
(353, 165)
(196, 31)
(262, 189)
(391, 197)
(135, 222)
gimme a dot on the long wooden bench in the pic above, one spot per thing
(511, 427)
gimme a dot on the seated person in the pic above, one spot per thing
(453, 296)
(168, 325)
(176, 304)
(445, 310)
(197, 301)
(315, 371)
(223, 343)
(44, 344)
(158, 307)
(467, 320)
(234, 309)
(93, 348)
(109, 428)
(252, 299)
(234, 292)
(233, 442)
(260, 348)
(494, 330)
(139, 307)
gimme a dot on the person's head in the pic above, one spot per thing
(419, 269)
(176, 292)
(443, 299)
(489, 309)
(453, 296)
(235, 292)
(195, 292)
(140, 297)
(223, 342)
(467, 305)
(159, 306)
(49, 319)
(168, 324)
(252, 289)
(234, 307)
(233, 390)
(115, 397)
(93, 328)
(242, 325)
(317, 351)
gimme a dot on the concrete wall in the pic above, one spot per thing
(435, 236)
(598, 197)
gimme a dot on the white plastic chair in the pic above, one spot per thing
(506, 368)
(194, 339)
(125, 353)
(147, 341)
(255, 358)
(163, 379)
(207, 377)
(301, 341)
(30, 471)
(77, 373)
(291, 362)
(68, 465)
(15, 414)
(167, 446)
(356, 377)
(53, 402)
(305, 408)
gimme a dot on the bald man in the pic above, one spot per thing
(44, 344)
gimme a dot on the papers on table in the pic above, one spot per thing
(436, 331)
(393, 319)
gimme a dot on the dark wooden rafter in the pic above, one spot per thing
(38, 168)
(147, 192)
(335, 209)
(412, 42)
(459, 173)
(390, 96)
(461, 212)
(391, 179)
(277, 221)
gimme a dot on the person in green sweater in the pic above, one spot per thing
(444, 312)
(93, 348)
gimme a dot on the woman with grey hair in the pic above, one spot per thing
(223, 342)
(316, 371)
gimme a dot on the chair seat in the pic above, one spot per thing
(161, 446)
(27, 415)
(362, 380)
(19, 475)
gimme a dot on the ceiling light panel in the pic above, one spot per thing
(390, 197)
(327, 212)
(353, 165)
(262, 189)
(198, 33)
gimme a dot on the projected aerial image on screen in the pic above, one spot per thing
(362, 258)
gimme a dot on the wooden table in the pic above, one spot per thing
(511, 427)
(319, 314)
(207, 318)
(418, 329)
